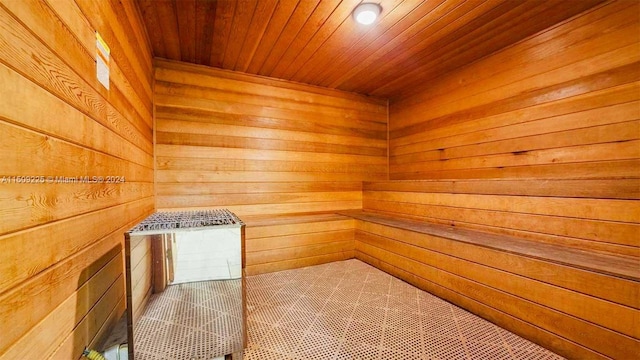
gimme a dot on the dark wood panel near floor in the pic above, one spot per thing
(99, 296)
(62, 270)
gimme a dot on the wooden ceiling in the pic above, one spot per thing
(318, 43)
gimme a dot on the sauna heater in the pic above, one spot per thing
(185, 290)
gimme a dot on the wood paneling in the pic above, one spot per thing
(536, 144)
(139, 262)
(220, 143)
(535, 137)
(560, 109)
(624, 267)
(319, 43)
(416, 273)
(597, 222)
(557, 105)
(61, 269)
(586, 304)
(293, 241)
(281, 155)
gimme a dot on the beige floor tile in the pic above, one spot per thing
(351, 310)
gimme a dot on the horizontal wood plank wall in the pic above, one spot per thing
(578, 313)
(268, 150)
(62, 265)
(541, 141)
(589, 214)
(572, 324)
(273, 245)
(561, 104)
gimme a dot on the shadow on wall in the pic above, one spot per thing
(100, 301)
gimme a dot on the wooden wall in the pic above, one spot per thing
(275, 243)
(559, 108)
(267, 150)
(140, 265)
(61, 268)
(540, 141)
(575, 312)
(589, 214)
(561, 104)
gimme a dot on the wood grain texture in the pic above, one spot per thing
(282, 156)
(412, 274)
(536, 143)
(469, 263)
(576, 222)
(319, 43)
(275, 243)
(139, 263)
(567, 97)
(515, 118)
(217, 130)
(533, 128)
(104, 290)
(624, 267)
(62, 269)
(289, 241)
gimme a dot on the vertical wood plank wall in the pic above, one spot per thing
(61, 268)
(540, 140)
(274, 152)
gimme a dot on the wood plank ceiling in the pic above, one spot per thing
(318, 43)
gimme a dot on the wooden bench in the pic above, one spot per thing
(580, 304)
(280, 242)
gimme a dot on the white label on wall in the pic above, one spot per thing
(102, 61)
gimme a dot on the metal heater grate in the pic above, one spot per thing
(195, 320)
(187, 220)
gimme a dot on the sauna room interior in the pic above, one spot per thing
(455, 180)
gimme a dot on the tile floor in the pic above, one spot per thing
(350, 310)
(194, 320)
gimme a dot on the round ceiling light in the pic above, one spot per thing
(366, 13)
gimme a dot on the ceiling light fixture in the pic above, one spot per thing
(366, 13)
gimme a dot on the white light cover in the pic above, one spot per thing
(366, 13)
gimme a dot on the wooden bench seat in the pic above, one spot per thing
(579, 304)
(619, 266)
(288, 241)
